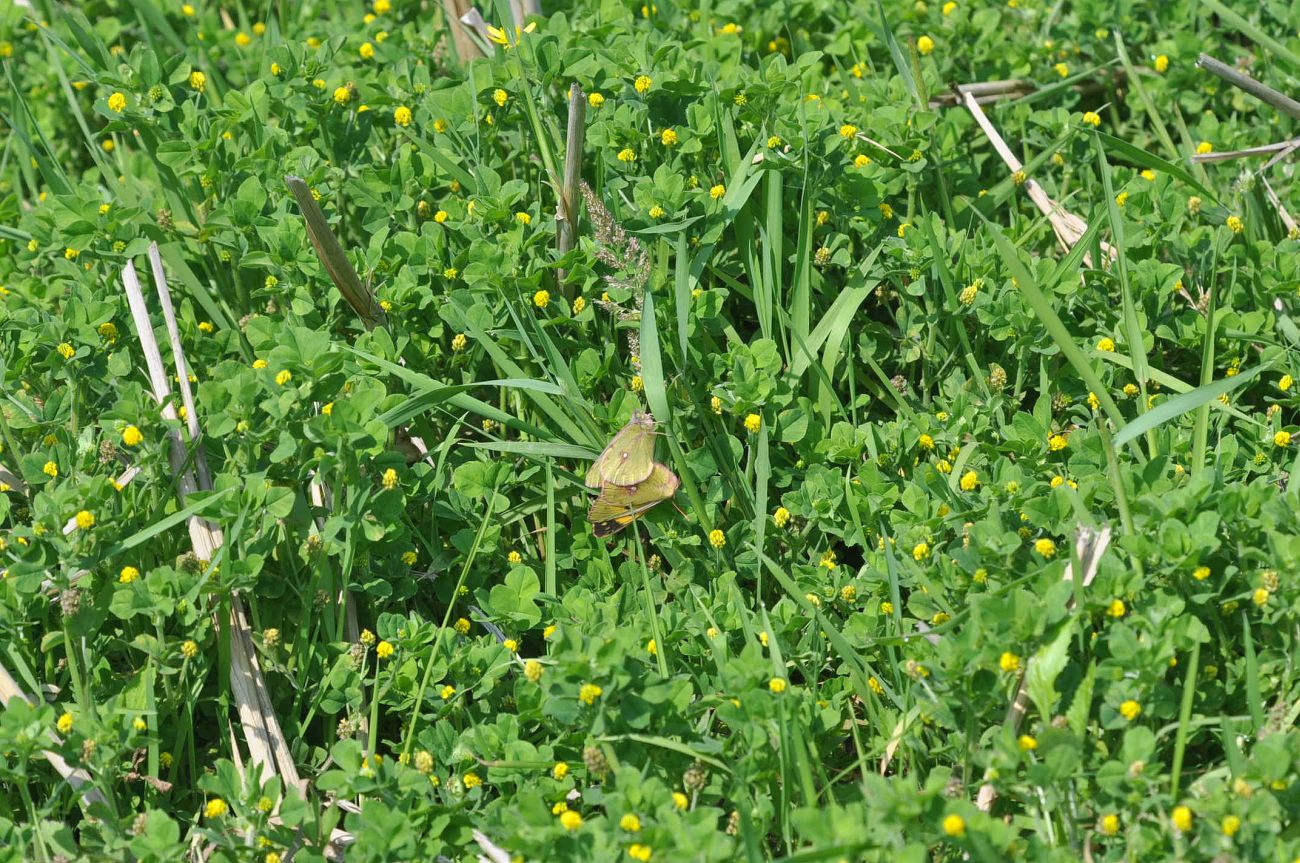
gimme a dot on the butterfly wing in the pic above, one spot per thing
(629, 458)
(609, 527)
(660, 485)
(619, 506)
(615, 500)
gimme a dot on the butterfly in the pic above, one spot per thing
(629, 457)
(620, 505)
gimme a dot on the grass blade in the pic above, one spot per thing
(1052, 323)
(1254, 700)
(1181, 404)
(1184, 718)
(1147, 159)
(656, 396)
(1153, 114)
(1132, 329)
(1255, 33)
(331, 255)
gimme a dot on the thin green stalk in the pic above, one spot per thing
(1043, 310)
(682, 298)
(1201, 433)
(656, 631)
(1153, 114)
(946, 281)
(657, 397)
(800, 291)
(75, 661)
(1133, 332)
(1116, 481)
(1254, 698)
(446, 619)
(1184, 718)
(762, 472)
(1236, 19)
(42, 853)
(373, 737)
(550, 528)
(774, 239)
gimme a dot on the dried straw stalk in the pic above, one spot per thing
(1068, 227)
(987, 92)
(261, 730)
(566, 210)
(452, 11)
(75, 777)
(1281, 147)
(1280, 150)
(1089, 546)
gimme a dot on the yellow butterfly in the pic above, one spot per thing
(618, 505)
(629, 457)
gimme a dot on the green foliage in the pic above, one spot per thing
(889, 396)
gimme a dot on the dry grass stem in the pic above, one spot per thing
(1068, 227)
(1089, 546)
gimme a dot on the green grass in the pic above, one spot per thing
(891, 398)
